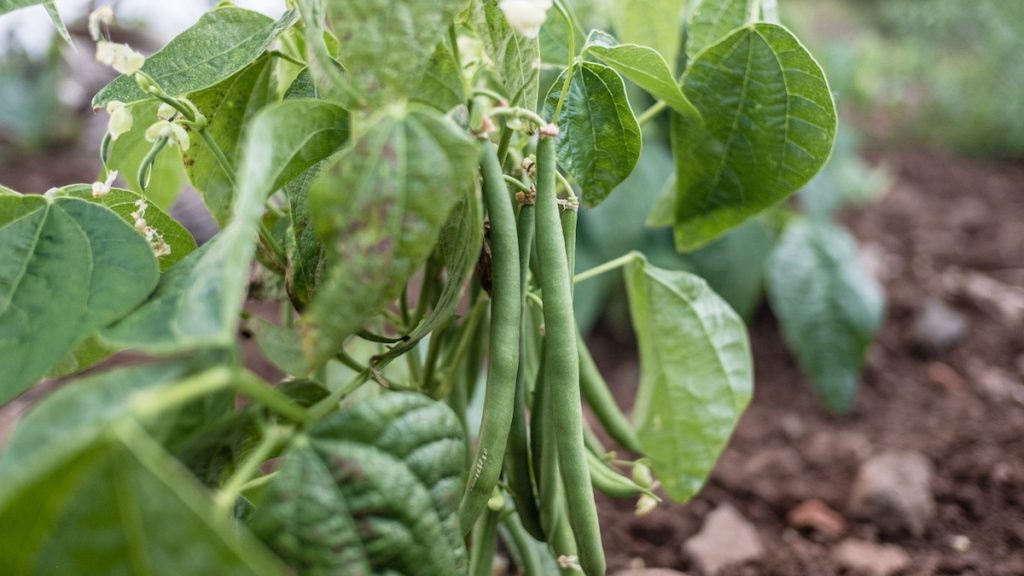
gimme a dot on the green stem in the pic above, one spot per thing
(286, 57)
(272, 438)
(328, 404)
(462, 347)
(250, 385)
(564, 10)
(770, 11)
(649, 114)
(184, 392)
(609, 266)
(521, 113)
(517, 184)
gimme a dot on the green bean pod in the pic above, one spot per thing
(518, 465)
(600, 399)
(506, 320)
(610, 482)
(481, 558)
(522, 547)
(561, 367)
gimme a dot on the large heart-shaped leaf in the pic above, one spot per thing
(222, 42)
(333, 507)
(461, 241)
(696, 374)
(645, 67)
(198, 301)
(118, 505)
(385, 57)
(516, 58)
(769, 124)
(123, 202)
(600, 140)
(442, 85)
(70, 267)
(654, 23)
(379, 210)
(829, 307)
(228, 106)
(712, 20)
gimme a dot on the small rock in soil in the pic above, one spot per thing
(893, 491)
(871, 558)
(938, 327)
(816, 515)
(726, 538)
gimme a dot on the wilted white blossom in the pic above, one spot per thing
(119, 56)
(121, 120)
(101, 189)
(526, 16)
(153, 236)
(165, 111)
(100, 17)
(174, 133)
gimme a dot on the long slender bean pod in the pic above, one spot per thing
(517, 460)
(506, 321)
(610, 482)
(481, 558)
(561, 368)
(521, 545)
(600, 399)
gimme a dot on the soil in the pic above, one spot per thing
(950, 228)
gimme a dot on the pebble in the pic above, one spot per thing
(871, 558)
(893, 491)
(816, 515)
(937, 327)
(726, 538)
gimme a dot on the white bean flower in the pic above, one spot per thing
(119, 56)
(174, 133)
(101, 189)
(121, 120)
(526, 16)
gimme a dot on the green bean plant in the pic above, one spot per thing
(390, 177)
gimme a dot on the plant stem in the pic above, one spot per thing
(649, 114)
(607, 266)
(564, 10)
(462, 347)
(184, 392)
(770, 11)
(325, 406)
(521, 113)
(272, 438)
(254, 387)
(517, 184)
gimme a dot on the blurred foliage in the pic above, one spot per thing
(32, 113)
(945, 72)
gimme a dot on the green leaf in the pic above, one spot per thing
(119, 505)
(70, 267)
(382, 42)
(228, 106)
(281, 346)
(198, 300)
(712, 20)
(696, 374)
(122, 202)
(769, 124)
(128, 152)
(58, 22)
(461, 241)
(829, 307)
(442, 86)
(221, 43)
(600, 141)
(380, 209)
(333, 508)
(84, 411)
(12, 5)
(86, 355)
(643, 66)
(516, 57)
(654, 23)
(554, 40)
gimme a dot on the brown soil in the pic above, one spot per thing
(946, 220)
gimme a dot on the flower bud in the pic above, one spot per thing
(526, 16)
(174, 133)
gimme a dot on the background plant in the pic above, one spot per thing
(351, 159)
